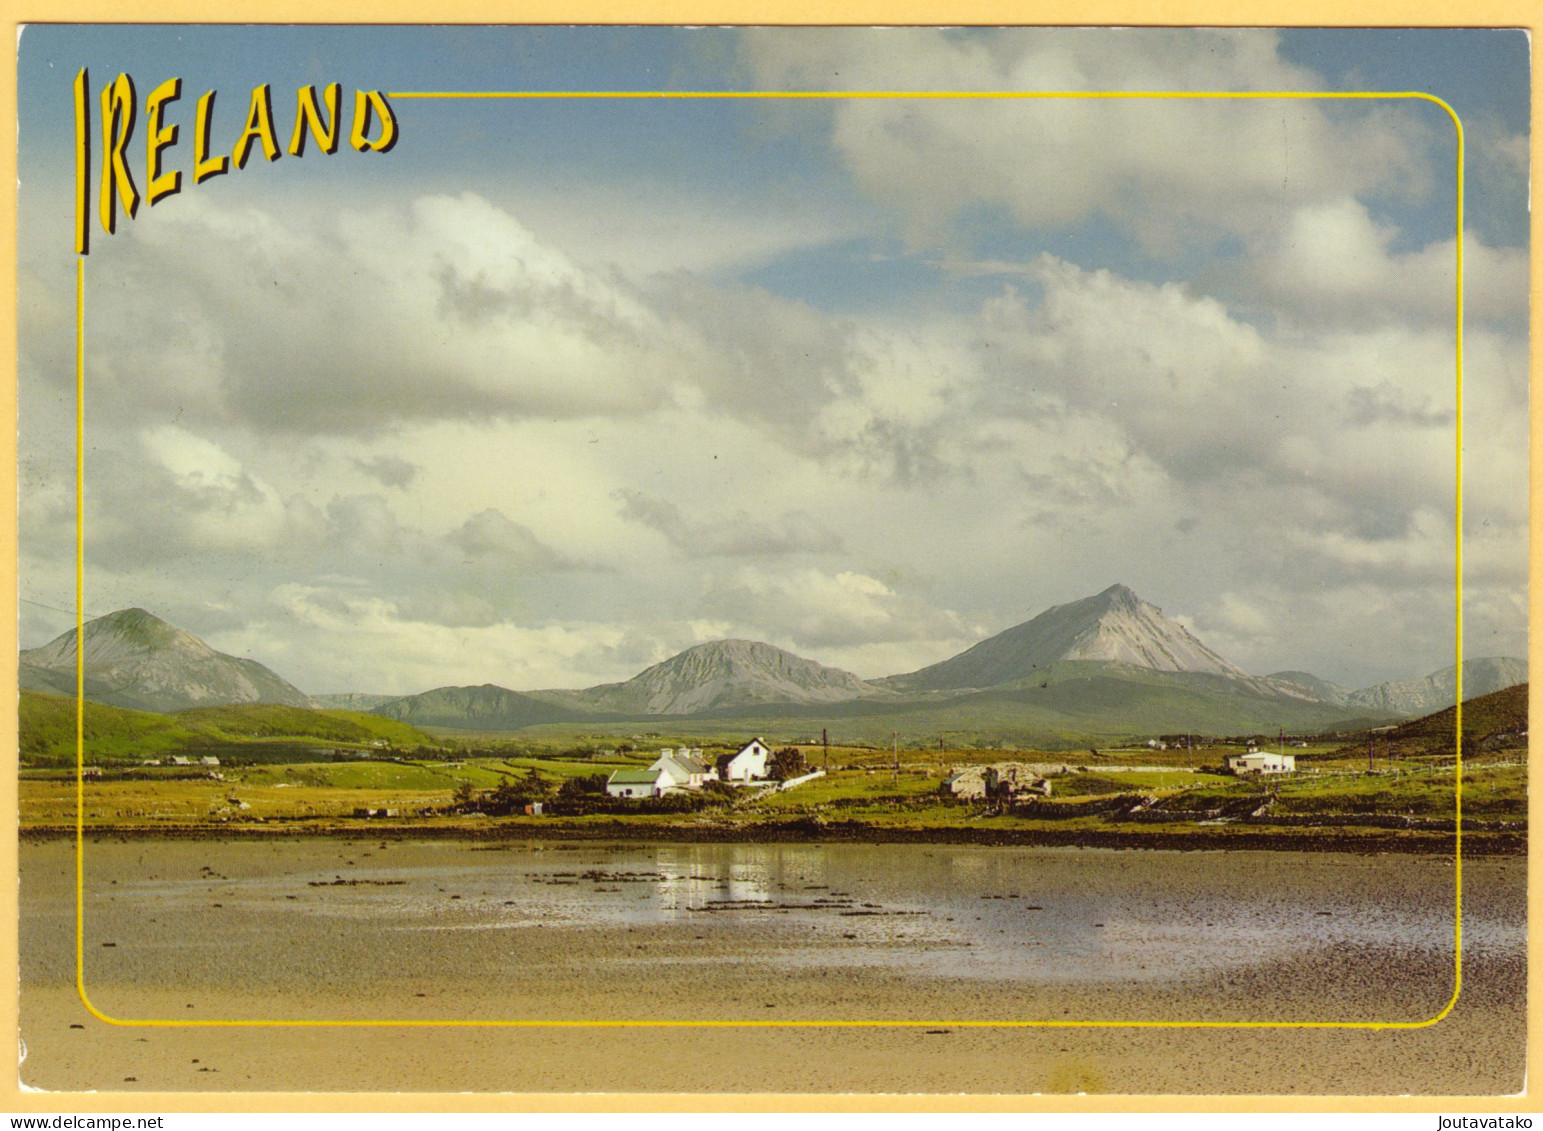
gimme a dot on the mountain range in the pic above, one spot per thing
(1106, 665)
(1417, 696)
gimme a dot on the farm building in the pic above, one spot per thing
(1008, 780)
(747, 765)
(967, 782)
(1004, 779)
(1262, 762)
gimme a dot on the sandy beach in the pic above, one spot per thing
(945, 939)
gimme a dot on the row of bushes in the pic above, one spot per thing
(578, 797)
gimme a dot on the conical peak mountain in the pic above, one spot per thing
(123, 635)
(1118, 598)
(727, 673)
(738, 655)
(135, 659)
(1129, 630)
(136, 620)
(1114, 626)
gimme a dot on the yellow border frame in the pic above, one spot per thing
(80, 584)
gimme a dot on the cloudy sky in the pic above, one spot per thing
(555, 389)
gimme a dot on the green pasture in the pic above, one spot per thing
(849, 786)
(1488, 791)
(553, 768)
(334, 789)
(1093, 783)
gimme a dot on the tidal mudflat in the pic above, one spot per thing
(943, 937)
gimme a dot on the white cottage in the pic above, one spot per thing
(684, 770)
(747, 765)
(1262, 762)
(636, 783)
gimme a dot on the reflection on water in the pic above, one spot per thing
(1041, 915)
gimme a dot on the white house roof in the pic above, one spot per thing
(684, 762)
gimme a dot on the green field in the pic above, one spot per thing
(448, 791)
(318, 768)
(1488, 791)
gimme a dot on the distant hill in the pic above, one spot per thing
(1320, 689)
(47, 729)
(726, 674)
(487, 707)
(1438, 690)
(135, 660)
(1110, 701)
(352, 700)
(1490, 722)
(721, 677)
(273, 720)
(1114, 626)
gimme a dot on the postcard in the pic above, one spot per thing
(715, 561)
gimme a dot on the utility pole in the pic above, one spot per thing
(897, 759)
(1371, 752)
(825, 740)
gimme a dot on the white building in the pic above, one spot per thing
(747, 765)
(685, 770)
(1262, 762)
(637, 783)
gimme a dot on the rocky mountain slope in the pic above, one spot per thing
(134, 659)
(1321, 689)
(726, 674)
(1439, 689)
(1114, 626)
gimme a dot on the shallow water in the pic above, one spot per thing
(969, 949)
(1031, 915)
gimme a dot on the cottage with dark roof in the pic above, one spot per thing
(684, 770)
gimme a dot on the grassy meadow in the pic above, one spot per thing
(863, 785)
(318, 770)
